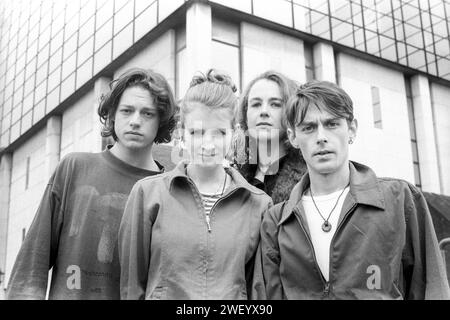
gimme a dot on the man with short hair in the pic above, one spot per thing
(344, 233)
(75, 229)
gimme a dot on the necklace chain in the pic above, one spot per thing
(326, 226)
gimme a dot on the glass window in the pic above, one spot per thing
(145, 21)
(340, 9)
(16, 113)
(39, 111)
(39, 93)
(29, 85)
(69, 66)
(102, 58)
(141, 5)
(122, 41)
(68, 87)
(58, 22)
(372, 43)
(54, 79)
(443, 66)
(86, 30)
(52, 100)
(320, 25)
(84, 73)
(26, 122)
(70, 46)
(32, 51)
(103, 14)
(28, 103)
(416, 59)
(123, 17)
(15, 131)
(43, 55)
(86, 50)
(55, 60)
(103, 35)
(71, 26)
(87, 11)
(44, 37)
(56, 42)
(342, 30)
(442, 46)
(42, 72)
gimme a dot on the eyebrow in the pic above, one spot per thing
(144, 108)
(306, 123)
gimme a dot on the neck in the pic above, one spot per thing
(140, 158)
(207, 178)
(323, 184)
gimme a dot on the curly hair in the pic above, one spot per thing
(158, 88)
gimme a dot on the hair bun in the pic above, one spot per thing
(213, 76)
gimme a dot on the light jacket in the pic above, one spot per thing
(384, 247)
(166, 250)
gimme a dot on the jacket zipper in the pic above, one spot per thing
(326, 285)
(212, 208)
(332, 239)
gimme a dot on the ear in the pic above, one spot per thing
(291, 137)
(353, 128)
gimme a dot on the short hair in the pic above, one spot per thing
(159, 90)
(318, 93)
(214, 89)
(287, 88)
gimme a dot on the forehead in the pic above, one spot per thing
(264, 88)
(136, 94)
(207, 118)
(317, 112)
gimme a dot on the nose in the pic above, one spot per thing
(264, 111)
(135, 119)
(321, 135)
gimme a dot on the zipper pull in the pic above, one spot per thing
(326, 290)
(207, 222)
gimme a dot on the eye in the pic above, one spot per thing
(333, 124)
(149, 114)
(125, 111)
(255, 104)
(307, 129)
(276, 104)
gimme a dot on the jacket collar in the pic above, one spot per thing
(364, 189)
(237, 180)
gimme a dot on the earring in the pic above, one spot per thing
(350, 141)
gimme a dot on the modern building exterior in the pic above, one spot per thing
(58, 57)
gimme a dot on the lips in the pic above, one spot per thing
(134, 133)
(322, 153)
(260, 124)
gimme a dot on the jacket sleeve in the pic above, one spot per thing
(254, 276)
(423, 267)
(134, 246)
(267, 280)
(29, 275)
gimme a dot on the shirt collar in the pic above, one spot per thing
(364, 189)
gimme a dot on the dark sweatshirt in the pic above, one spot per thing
(75, 231)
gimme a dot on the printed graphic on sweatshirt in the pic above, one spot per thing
(92, 211)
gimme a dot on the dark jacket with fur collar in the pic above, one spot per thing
(278, 186)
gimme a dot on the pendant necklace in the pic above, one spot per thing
(326, 226)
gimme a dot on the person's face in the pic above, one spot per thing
(207, 134)
(264, 111)
(323, 140)
(136, 120)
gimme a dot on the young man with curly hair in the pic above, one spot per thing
(75, 229)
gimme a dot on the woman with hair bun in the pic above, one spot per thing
(192, 233)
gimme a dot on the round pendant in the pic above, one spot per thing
(326, 226)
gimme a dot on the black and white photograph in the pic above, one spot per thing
(224, 150)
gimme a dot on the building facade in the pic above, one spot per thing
(58, 57)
